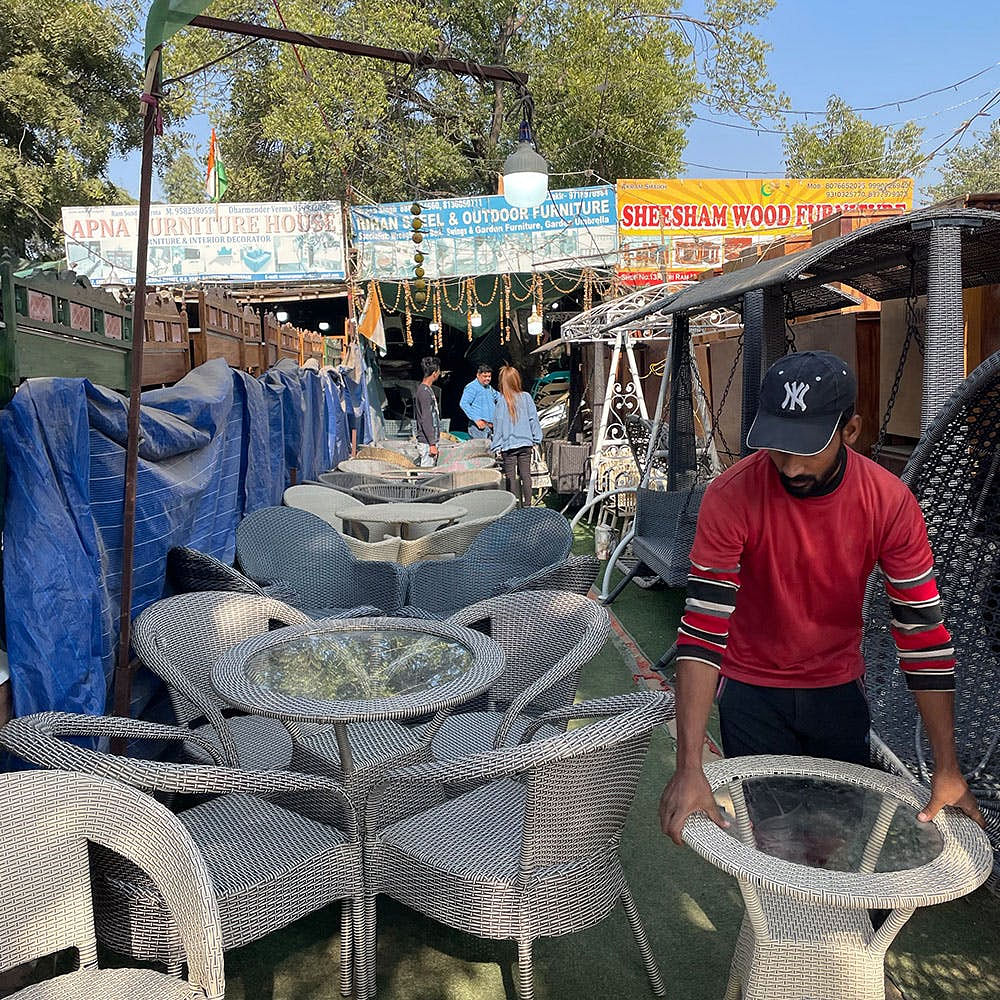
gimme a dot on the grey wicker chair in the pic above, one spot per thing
(348, 480)
(518, 544)
(953, 473)
(322, 501)
(546, 636)
(47, 820)
(180, 638)
(518, 859)
(190, 570)
(394, 492)
(311, 557)
(453, 484)
(575, 574)
(269, 865)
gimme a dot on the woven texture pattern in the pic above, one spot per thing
(393, 492)
(389, 455)
(455, 483)
(190, 570)
(575, 574)
(268, 866)
(807, 932)
(531, 853)
(955, 474)
(664, 532)
(180, 638)
(312, 558)
(518, 544)
(348, 480)
(321, 501)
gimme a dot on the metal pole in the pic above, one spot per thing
(123, 673)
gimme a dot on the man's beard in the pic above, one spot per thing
(803, 487)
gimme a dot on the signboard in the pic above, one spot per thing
(570, 230)
(673, 230)
(250, 242)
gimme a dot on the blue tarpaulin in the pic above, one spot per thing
(214, 447)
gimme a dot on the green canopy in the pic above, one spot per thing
(167, 17)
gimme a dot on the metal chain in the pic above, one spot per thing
(912, 333)
(790, 347)
(722, 400)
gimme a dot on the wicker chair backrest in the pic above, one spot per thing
(348, 480)
(465, 478)
(46, 822)
(486, 503)
(575, 574)
(388, 455)
(537, 536)
(367, 466)
(321, 501)
(190, 570)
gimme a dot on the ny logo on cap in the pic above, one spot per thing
(795, 395)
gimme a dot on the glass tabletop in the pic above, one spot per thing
(831, 824)
(359, 665)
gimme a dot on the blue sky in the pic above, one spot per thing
(866, 52)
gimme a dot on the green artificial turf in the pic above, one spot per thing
(691, 910)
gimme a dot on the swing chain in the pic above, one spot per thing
(912, 334)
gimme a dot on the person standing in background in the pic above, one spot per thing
(515, 431)
(426, 414)
(479, 400)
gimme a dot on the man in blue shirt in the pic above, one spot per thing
(479, 400)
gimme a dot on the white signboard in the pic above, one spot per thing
(251, 242)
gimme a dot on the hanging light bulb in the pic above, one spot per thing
(525, 172)
(535, 324)
(476, 318)
(281, 316)
(434, 327)
(324, 326)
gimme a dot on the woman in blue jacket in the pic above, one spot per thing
(515, 430)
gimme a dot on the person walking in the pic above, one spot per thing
(785, 542)
(515, 431)
(479, 400)
(426, 414)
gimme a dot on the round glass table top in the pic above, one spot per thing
(358, 665)
(830, 824)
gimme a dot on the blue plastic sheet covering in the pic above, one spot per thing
(214, 447)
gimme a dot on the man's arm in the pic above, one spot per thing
(688, 790)
(948, 787)
(465, 403)
(423, 417)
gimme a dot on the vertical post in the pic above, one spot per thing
(680, 429)
(763, 344)
(123, 673)
(944, 343)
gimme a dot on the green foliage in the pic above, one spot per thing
(846, 145)
(68, 101)
(182, 174)
(614, 86)
(972, 169)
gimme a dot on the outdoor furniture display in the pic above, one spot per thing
(464, 480)
(483, 507)
(390, 492)
(518, 544)
(321, 501)
(304, 553)
(180, 638)
(952, 473)
(815, 845)
(348, 480)
(362, 677)
(536, 856)
(368, 466)
(389, 455)
(546, 638)
(47, 821)
(397, 518)
(575, 575)
(268, 865)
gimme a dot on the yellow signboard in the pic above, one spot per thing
(675, 229)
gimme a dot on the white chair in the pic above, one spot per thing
(321, 501)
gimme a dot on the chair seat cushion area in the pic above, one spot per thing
(109, 984)
(262, 744)
(269, 867)
(474, 732)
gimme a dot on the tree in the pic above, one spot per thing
(68, 100)
(971, 170)
(614, 87)
(183, 175)
(846, 145)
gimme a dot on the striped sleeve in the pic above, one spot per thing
(711, 600)
(926, 654)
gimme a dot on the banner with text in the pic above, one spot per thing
(573, 229)
(673, 230)
(275, 241)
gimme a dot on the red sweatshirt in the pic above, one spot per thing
(799, 568)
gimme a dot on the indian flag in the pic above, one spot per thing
(217, 181)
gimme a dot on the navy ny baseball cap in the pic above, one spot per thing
(802, 399)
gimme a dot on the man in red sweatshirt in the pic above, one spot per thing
(785, 543)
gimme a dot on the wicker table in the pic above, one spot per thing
(382, 518)
(362, 674)
(816, 845)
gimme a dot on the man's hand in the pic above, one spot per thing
(948, 788)
(433, 450)
(687, 792)
(482, 425)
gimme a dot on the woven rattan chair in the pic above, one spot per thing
(483, 507)
(180, 638)
(367, 466)
(452, 484)
(189, 570)
(546, 637)
(394, 492)
(575, 574)
(518, 544)
(471, 463)
(47, 821)
(321, 501)
(269, 866)
(464, 449)
(953, 473)
(345, 481)
(308, 555)
(389, 455)
(519, 859)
